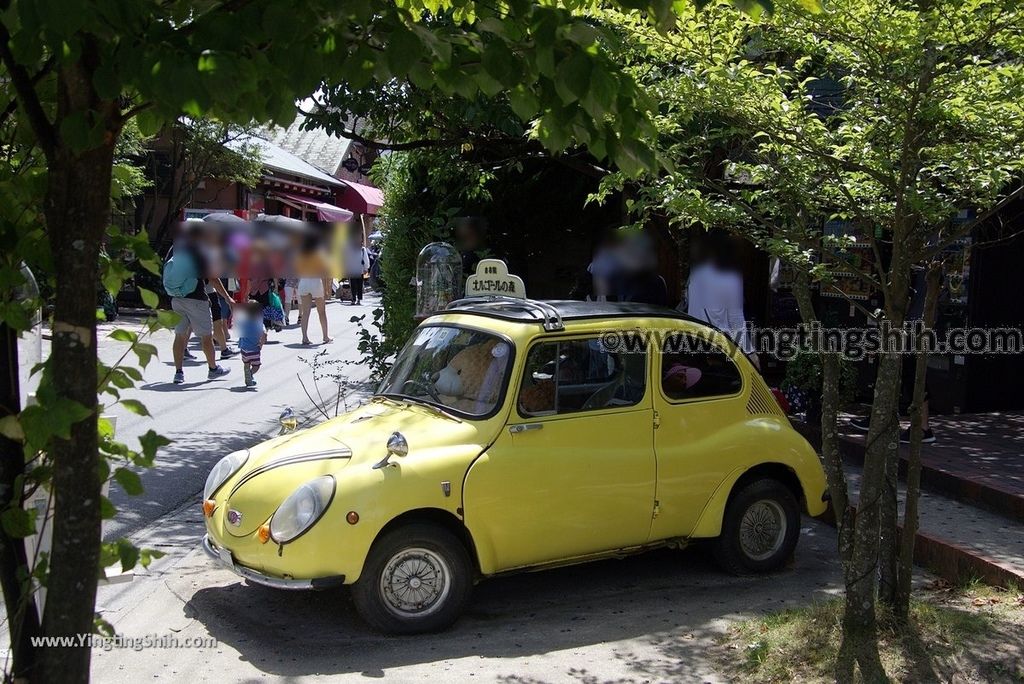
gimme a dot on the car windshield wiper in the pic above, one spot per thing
(423, 402)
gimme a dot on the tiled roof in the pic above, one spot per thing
(317, 147)
(277, 158)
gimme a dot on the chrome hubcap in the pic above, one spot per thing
(415, 582)
(762, 529)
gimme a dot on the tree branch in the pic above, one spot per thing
(12, 106)
(46, 134)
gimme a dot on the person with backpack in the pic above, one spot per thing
(185, 279)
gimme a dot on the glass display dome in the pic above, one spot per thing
(438, 278)
(30, 342)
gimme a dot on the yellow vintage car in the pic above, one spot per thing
(518, 434)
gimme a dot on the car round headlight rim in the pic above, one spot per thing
(302, 509)
(224, 471)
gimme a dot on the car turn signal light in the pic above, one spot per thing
(263, 533)
(209, 506)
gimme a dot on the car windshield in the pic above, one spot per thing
(452, 368)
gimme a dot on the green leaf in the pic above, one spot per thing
(147, 556)
(145, 352)
(500, 63)
(135, 406)
(55, 419)
(403, 50)
(167, 319)
(129, 480)
(524, 102)
(149, 122)
(124, 335)
(107, 509)
(17, 522)
(151, 442)
(149, 298)
(572, 77)
(128, 554)
(132, 372)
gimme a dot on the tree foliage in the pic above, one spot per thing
(198, 150)
(895, 117)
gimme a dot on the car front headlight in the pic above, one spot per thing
(303, 508)
(225, 468)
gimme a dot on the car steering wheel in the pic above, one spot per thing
(427, 388)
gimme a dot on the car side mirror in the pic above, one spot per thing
(289, 421)
(397, 446)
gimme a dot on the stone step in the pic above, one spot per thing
(961, 542)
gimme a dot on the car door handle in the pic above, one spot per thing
(523, 427)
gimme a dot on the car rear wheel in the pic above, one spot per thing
(760, 528)
(417, 578)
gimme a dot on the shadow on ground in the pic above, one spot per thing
(657, 612)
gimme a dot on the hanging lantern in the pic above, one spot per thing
(438, 278)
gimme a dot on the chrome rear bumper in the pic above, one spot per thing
(224, 559)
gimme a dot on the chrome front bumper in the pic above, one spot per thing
(224, 559)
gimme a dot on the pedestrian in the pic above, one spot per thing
(357, 264)
(185, 277)
(714, 291)
(220, 328)
(312, 269)
(291, 294)
(252, 337)
(261, 280)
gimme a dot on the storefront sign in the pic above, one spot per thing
(493, 279)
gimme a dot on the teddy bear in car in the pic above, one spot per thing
(472, 378)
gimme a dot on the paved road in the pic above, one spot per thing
(207, 419)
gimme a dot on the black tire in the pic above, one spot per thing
(768, 502)
(436, 549)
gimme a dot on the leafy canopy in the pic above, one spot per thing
(244, 60)
(896, 116)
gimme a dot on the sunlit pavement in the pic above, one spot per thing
(207, 419)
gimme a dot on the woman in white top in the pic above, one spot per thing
(714, 293)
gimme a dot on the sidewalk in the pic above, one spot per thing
(972, 501)
(977, 459)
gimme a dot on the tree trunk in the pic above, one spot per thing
(905, 571)
(23, 619)
(888, 512)
(830, 366)
(77, 214)
(860, 642)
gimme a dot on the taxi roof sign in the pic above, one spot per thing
(493, 279)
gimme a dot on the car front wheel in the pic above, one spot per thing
(760, 528)
(416, 579)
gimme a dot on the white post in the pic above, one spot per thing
(41, 501)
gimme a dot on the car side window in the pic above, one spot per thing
(693, 367)
(570, 376)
